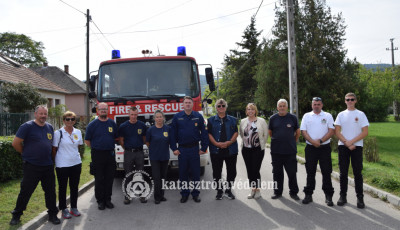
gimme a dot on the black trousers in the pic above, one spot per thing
(71, 174)
(133, 161)
(159, 173)
(289, 163)
(104, 163)
(217, 162)
(253, 158)
(355, 156)
(32, 175)
(323, 156)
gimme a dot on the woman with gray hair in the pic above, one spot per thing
(158, 140)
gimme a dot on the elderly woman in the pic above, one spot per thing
(254, 133)
(158, 140)
(66, 144)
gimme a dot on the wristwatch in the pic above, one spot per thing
(320, 141)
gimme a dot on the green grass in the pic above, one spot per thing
(9, 192)
(384, 174)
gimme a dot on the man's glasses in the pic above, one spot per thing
(219, 106)
(317, 99)
(70, 119)
(350, 99)
(102, 109)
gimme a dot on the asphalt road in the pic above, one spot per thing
(240, 213)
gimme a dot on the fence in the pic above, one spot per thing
(10, 122)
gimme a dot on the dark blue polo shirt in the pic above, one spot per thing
(133, 134)
(189, 129)
(101, 134)
(159, 139)
(38, 141)
(283, 128)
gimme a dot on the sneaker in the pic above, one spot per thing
(75, 212)
(229, 195)
(143, 200)
(54, 219)
(257, 194)
(307, 199)
(276, 196)
(65, 214)
(251, 195)
(219, 196)
(342, 200)
(127, 201)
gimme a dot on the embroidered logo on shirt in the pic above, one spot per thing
(110, 129)
(356, 119)
(139, 131)
(323, 121)
(165, 134)
(76, 137)
(49, 136)
(288, 125)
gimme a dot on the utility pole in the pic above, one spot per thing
(217, 85)
(395, 107)
(292, 59)
(87, 103)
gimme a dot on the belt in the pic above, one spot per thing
(134, 150)
(189, 145)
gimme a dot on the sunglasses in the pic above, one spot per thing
(69, 119)
(317, 99)
(350, 99)
(219, 106)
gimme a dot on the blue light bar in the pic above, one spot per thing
(115, 54)
(181, 51)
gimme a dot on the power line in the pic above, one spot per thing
(103, 34)
(55, 30)
(73, 7)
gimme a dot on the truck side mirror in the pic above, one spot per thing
(92, 86)
(210, 79)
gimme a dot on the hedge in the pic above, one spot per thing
(10, 161)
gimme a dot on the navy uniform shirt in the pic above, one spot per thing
(38, 141)
(159, 139)
(133, 134)
(189, 130)
(101, 134)
(283, 140)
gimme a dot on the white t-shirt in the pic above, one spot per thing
(68, 151)
(317, 125)
(351, 122)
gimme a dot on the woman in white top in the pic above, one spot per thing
(68, 161)
(254, 133)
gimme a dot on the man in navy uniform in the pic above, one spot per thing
(132, 136)
(100, 137)
(34, 140)
(188, 129)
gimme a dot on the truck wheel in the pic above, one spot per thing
(202, 170)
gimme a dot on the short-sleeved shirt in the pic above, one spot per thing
(351, 122)
(38, 142)
(283, 129)
(133, 134)
(317, 125)
(101, 134)
(159, 139)
(68, 148)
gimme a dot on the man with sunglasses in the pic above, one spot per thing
(351, 128)
(222, 132)
(317, 128)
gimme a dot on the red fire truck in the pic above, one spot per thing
(149, 83)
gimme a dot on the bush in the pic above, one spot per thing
(10, 161)
(334, 143)
(370, 149)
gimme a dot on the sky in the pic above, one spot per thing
(207, 28)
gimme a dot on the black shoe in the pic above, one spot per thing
(127, 201)
(328, 200)
(197, 199)
(276, 196)
(163, 199)
(54, 219)
(307, 199)
(143, 200)
(16, 219)
(102, 206)
(109, 205)
(184, 199)
(342, 200)
(157, 201)
(294, 197)
(360, 203)
(219, 196)
(229, 194)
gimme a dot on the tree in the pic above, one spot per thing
(322, 67)
(239, 70)
(22, 49)
(20, 97)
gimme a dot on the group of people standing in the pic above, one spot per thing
(189, 137)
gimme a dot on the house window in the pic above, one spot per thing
(57, 102)
(49, 102)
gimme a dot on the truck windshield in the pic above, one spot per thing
(148, 79)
